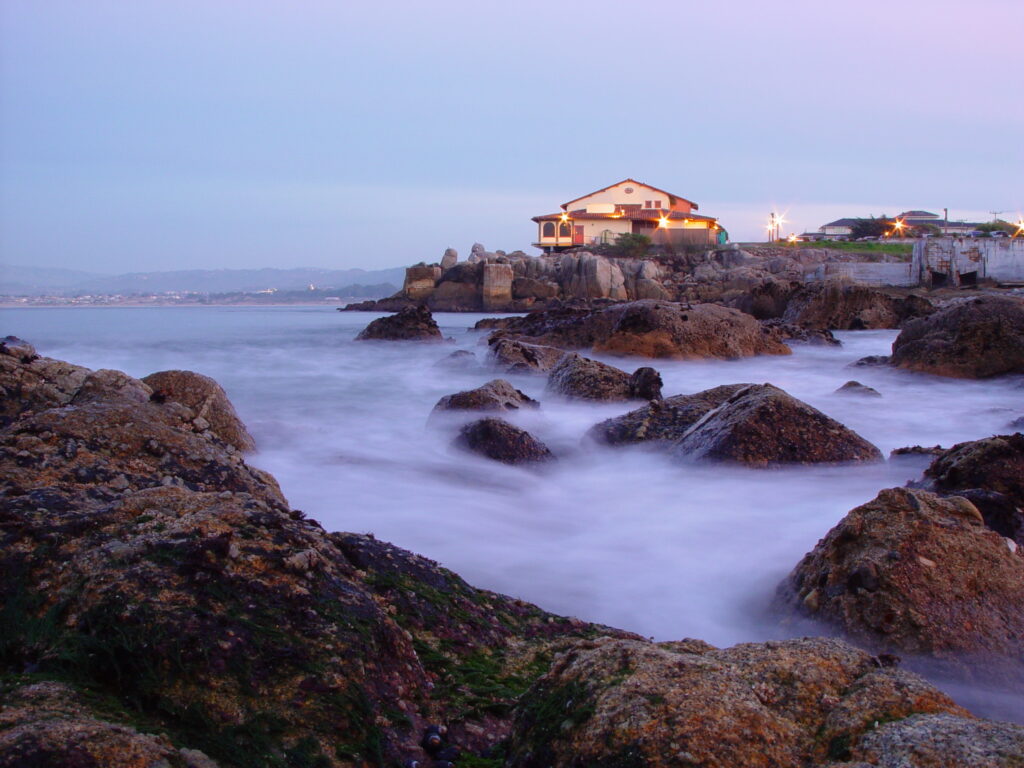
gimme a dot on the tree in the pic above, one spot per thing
(631, 245)
(871, 227)
(998, 226)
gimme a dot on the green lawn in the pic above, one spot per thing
(896, 249)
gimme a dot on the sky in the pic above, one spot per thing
(140, 135)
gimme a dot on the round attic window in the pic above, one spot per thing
(629, 190)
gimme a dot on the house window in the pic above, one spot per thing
(564, 230)
(647, 203)
(548, 229)
(657, 203)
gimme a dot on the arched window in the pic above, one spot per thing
(548, 229)
(564, 230)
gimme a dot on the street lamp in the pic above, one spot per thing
(1020, 228)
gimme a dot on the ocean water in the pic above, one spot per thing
(623, 537)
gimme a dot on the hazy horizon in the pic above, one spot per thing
(154, 136)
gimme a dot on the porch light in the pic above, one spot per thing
(663, 223)
(565, 217)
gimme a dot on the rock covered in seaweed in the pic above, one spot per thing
(792, 703)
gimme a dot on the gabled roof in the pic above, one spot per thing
(630, 214)
(919, 215)
(632, 181)
(841, 223)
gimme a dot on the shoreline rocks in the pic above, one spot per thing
(578, 377)
(408, 324)
(495, 395)
(498, 440)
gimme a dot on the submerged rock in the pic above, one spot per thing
(495, 395)
(917, 573)
(973, 339)
(459, 360)
(579, 377)
(793, 703)
(207, 400)
(410, 324)
(857, 389)
(650, 328)
(497, 439)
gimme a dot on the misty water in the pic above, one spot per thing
(623, 537)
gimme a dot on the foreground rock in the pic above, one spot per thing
(916, 573)
(207, 400)
(496, 395)
(409, 324)
(579, 377)
(498, 440)
(650, 328)
(148, 575)
(794, 703)
(515, 356)
(974, 339)
(837, 307)
(753, 424)
(988, 472)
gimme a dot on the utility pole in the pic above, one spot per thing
(945, 217)
(995, 215)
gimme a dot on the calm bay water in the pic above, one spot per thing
(622, 537)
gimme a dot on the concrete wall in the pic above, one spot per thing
(950, 259)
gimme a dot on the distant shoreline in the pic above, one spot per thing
(6, 304)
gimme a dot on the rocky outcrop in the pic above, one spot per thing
(149, 576)
(496, 395)
(916, 573)
(29, 382)
(581, 378)
(496, 289)
(840, 307)
(17, 348)
(409, 324)
(207, 400)
(856, 389)
(521, 357)
(939, 741)
(794, 703)
(650, 329)
(818, 337)
(973, 339)
(498, 440)
(751, 424)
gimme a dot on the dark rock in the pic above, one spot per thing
(919, 548)
(645, 384)
(579, 377)
(529, 288)
(974, 339)
(1017, 424)
(496, 395)
(412, 323)
(665, 421)
(768, 300)
(521, 357)
(791, 703)
(17, 348)
(208, 402)
(916, 450)
(650, 329)
(501, 441)
(493, 323)
(871, 361)
(459, 360)
(763, 426)
(817, 337)
(993, 463)
(852, 307)
(858, 389)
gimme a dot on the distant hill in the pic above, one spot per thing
(38, 281)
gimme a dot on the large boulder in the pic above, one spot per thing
(450, 258)
(916, 573)
(988, 472)
(650, 329)
(30, 383)
(795, 703)
(522, 357)
(410, 324)
(662, 421)
(207, 400)
(498, 440)
(496, 395)
(579, 377)
(973, 339)
(758, 425)
(531, 288)
(420, 281)
(841, 307)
